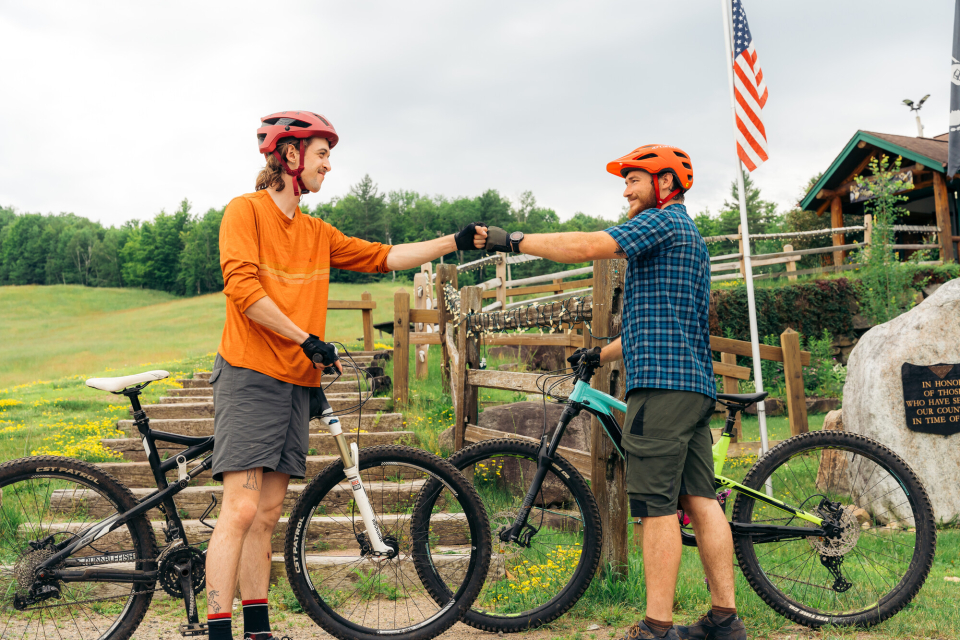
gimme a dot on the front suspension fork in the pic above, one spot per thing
(520, 532)
(349, 454)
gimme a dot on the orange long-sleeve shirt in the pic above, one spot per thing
(265, 253)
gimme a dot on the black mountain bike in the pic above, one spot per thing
(829, 527)
(79, 556)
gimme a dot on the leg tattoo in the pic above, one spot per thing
(252, 480)
(212, 601)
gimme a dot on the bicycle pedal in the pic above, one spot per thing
(193, 629)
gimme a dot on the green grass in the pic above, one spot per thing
(49, 332)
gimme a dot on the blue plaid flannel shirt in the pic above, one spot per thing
(666, 303)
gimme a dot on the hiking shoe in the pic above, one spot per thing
(706, 629)
(641, 631)
(263, 635)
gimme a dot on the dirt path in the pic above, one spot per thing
(300, 627)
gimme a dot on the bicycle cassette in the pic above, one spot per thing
(169, 575)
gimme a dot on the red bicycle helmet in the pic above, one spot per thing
(655, 159)
(294, 124)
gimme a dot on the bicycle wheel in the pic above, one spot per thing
(352, 594)
(528, 585)
(887, 541)
(45, 502)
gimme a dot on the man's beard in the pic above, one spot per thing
(641, 204)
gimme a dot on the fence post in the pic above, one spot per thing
(791, 266)
(421, 293)
(743, 263)
(608, 468)
(446, 273)
(793, 375)
(401, 347)
(367, 323)
(502, 274)
(731, 385)
(467, 409)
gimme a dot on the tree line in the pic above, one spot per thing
(179, 252)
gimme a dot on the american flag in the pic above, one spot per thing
(750, 93)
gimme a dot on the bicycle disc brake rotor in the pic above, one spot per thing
(170, 576)
(849, 534)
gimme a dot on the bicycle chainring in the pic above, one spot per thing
(169, 576)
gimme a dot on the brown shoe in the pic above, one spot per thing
(706, 629)
(641, 631)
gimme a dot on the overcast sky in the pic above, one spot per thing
(116, 110)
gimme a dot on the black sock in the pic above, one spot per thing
(255, 616)
(659, 627)
(723, 615)
(218, 626)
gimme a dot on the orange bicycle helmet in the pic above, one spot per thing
(656, 159)
(293, 124)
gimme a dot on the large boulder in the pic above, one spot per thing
(873, 402)
(539, 357)
(527, 419)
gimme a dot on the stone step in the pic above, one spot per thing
(321, 443)
(400, 573)
(202, 407)
(389, 497)
(325, 533)
(184, 399)
(197, 427)
(139, 474)
(204, 383)
(335, 387)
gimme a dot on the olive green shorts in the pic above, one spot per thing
(669, 449)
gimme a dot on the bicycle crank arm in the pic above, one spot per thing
(762, 533)
(98, 575)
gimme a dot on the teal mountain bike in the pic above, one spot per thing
(829, 527)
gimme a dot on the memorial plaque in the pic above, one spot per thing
(931, 398)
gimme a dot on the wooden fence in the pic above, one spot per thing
(603, 310)
(839, 251)
(365, 305)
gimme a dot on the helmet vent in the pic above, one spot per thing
(322, 119)
(647, 156)
(271, 121)
(261, 137)
(292, 122)
(677, 153)
(686, 165)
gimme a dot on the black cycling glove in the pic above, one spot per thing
(499, 240)
(464, 238)
(319, 352)
(583, 356)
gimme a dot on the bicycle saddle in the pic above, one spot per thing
(115, 385)
(741, 399)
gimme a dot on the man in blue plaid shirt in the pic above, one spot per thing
(671, 393)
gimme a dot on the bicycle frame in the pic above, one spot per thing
(162, 499)
(602, 405)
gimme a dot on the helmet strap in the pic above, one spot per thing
(298, 185)
(656, 192)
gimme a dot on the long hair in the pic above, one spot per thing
(271, 176)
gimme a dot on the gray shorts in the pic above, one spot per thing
(669, 449)
(259, 421)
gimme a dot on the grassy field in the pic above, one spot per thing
(54, 337)
(58, 331)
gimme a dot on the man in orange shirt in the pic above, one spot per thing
(276, 273)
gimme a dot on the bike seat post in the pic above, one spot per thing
(139, 415)
(732, 412)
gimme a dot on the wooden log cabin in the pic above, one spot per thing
(932, 200)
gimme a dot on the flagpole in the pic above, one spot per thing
(725, 6)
